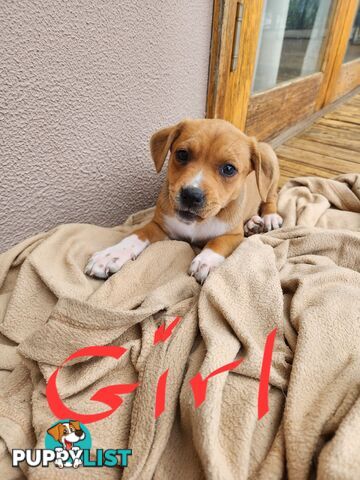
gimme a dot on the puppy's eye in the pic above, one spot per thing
(182, 156)
(228, 170)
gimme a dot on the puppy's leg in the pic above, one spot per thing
(102, 264)
(269, 219)
(269, 215)
(213, 254)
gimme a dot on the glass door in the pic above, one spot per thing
(348, 76)
(353, 46)
(292, 39)
(290, 54)
(275, 62)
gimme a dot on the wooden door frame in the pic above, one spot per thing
(220, 77)
(335, 50)
(229, 93)
(347, 80)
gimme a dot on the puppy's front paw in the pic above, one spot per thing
(77, 462)
(257, 224)
(272, 221)
(59, 463)
(203, 263)
(253, 226)
(103, 264)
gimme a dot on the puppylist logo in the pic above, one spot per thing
(67, 444)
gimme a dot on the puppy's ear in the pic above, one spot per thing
(264, 161)
(160, 144)
(75, 424)
(56, 431)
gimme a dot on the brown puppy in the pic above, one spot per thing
(217, 180)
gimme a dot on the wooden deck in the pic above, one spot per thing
(329, 147)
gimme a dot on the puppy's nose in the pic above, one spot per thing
(78, 433)
(192, 197)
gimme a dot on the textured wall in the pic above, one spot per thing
(83, 84)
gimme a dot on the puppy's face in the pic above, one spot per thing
(67, 433)
(209, 162)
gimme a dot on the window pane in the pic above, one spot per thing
(353, 49)
(291, 40)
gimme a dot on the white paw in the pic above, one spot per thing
(257, 224)
(272, 221)
(103, 264)
(59, 463)
(203, 263)
(77, 462)
(253, 226)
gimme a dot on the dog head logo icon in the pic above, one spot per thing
(68, 438)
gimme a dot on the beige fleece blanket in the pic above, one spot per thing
(303, 279)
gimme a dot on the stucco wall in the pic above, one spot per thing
(83, 84)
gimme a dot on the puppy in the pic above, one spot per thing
(67, 433)
(218, 178)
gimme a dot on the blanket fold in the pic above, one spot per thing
(303, 280)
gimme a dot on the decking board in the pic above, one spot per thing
(329, 147)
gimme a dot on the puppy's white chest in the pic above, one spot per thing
(195, 232)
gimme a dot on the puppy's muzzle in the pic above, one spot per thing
(192, 198)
